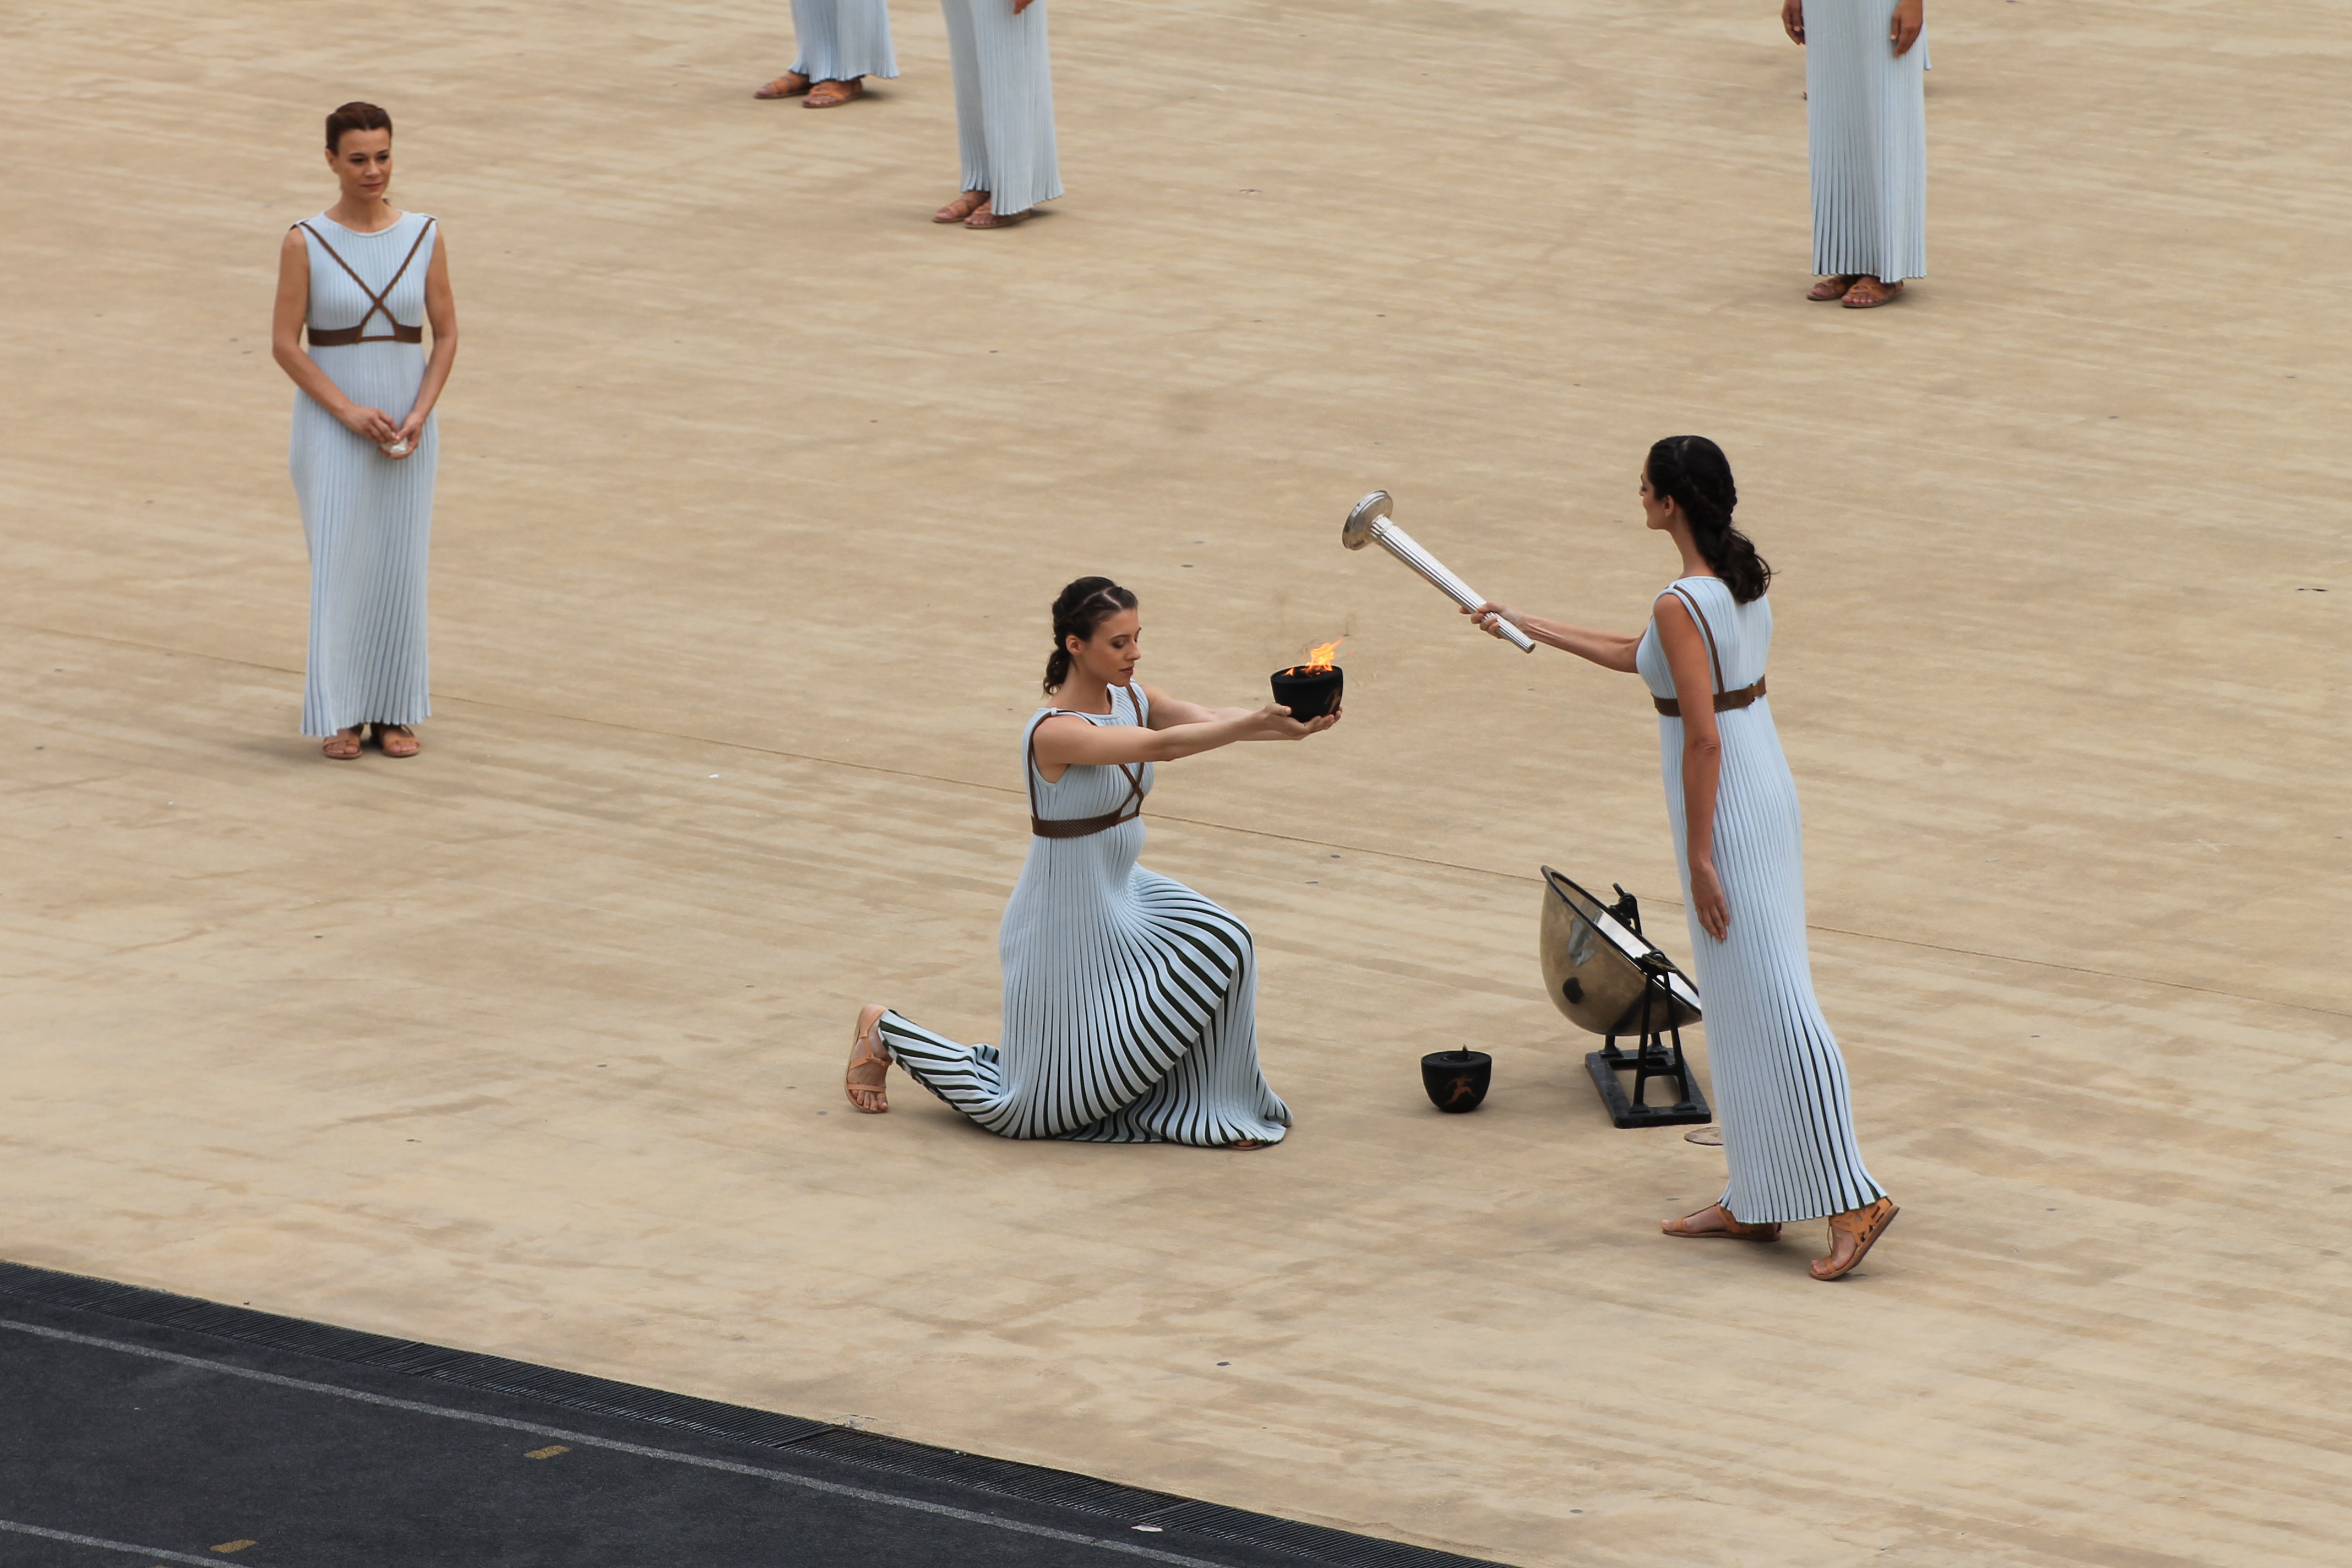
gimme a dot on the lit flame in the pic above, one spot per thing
(1320, 659)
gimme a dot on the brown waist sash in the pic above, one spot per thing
(1725, 701)
(337, 337)
(1085, 826)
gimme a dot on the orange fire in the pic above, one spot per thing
(1320, 659)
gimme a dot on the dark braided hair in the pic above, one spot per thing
(1083, 606)
(1693, 470)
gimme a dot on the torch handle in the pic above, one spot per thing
(1405, 548)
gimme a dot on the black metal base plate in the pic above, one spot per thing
(1625, 1113)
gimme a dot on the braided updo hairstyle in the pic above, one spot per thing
(1084, 605)
(1693, 470)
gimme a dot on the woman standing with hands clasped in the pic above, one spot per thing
(1130, 1000)
(1780, 1081)
(364, 278)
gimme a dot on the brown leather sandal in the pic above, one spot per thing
(345, 744)
(1862, 1228)
(1730, 1229)
(1833, 288)
(1868, 293)
(833, 94)
(792, 84)
(397, 740)
(962, 207)
(861, 1055)
(989, 217)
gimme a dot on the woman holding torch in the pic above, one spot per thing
(1780, 1081)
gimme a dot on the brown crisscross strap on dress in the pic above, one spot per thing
(337, 337)
(1082, 826)
(1725, 701)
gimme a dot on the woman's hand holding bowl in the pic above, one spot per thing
(1275, 723)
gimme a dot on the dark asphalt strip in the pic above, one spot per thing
(186, 1410)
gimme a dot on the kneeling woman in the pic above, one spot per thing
(1129, 999)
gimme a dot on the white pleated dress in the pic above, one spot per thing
(1780, 1093)
(840, 40)
(1867, 120)
(1004, 102)
(367, 518)
(1130, 1000)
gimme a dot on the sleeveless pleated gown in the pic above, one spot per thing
(366, 518)
(1866, 128)
(1780, 1090)
(1129, 999)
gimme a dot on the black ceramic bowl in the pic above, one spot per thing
(1457, 1080)
(1308, 693)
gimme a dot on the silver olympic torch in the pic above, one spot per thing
(1369, 523)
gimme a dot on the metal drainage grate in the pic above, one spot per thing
(734, 1423)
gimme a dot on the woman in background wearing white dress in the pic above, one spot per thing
(363, 278)
(1130, 1000)
(1866, 126)
(1780, 1081)
(1004, 112)
(842, 42)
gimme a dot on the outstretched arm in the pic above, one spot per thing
(1702, 758)
(1167, 713)
(1609, 650)
(1068, 739)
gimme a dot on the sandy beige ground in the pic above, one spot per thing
(754, 485)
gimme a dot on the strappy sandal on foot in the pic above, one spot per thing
(1862, 1228)
(792, 84)
(861, 1055)
(989, 217)
(397, 740)
(1868, 293)
(833, 94)
(1247, 1145)
(962, 207)
(1727, 1229)
(1833, 288)
(345, 744)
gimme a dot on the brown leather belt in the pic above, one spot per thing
(1725, 701)
(1081, 827)
(336, 337)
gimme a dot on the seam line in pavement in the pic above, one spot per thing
(1198, 822)
(105, 1545)
(864, 1494)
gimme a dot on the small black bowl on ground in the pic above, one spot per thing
(1308, 691)
(1457, 1080)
